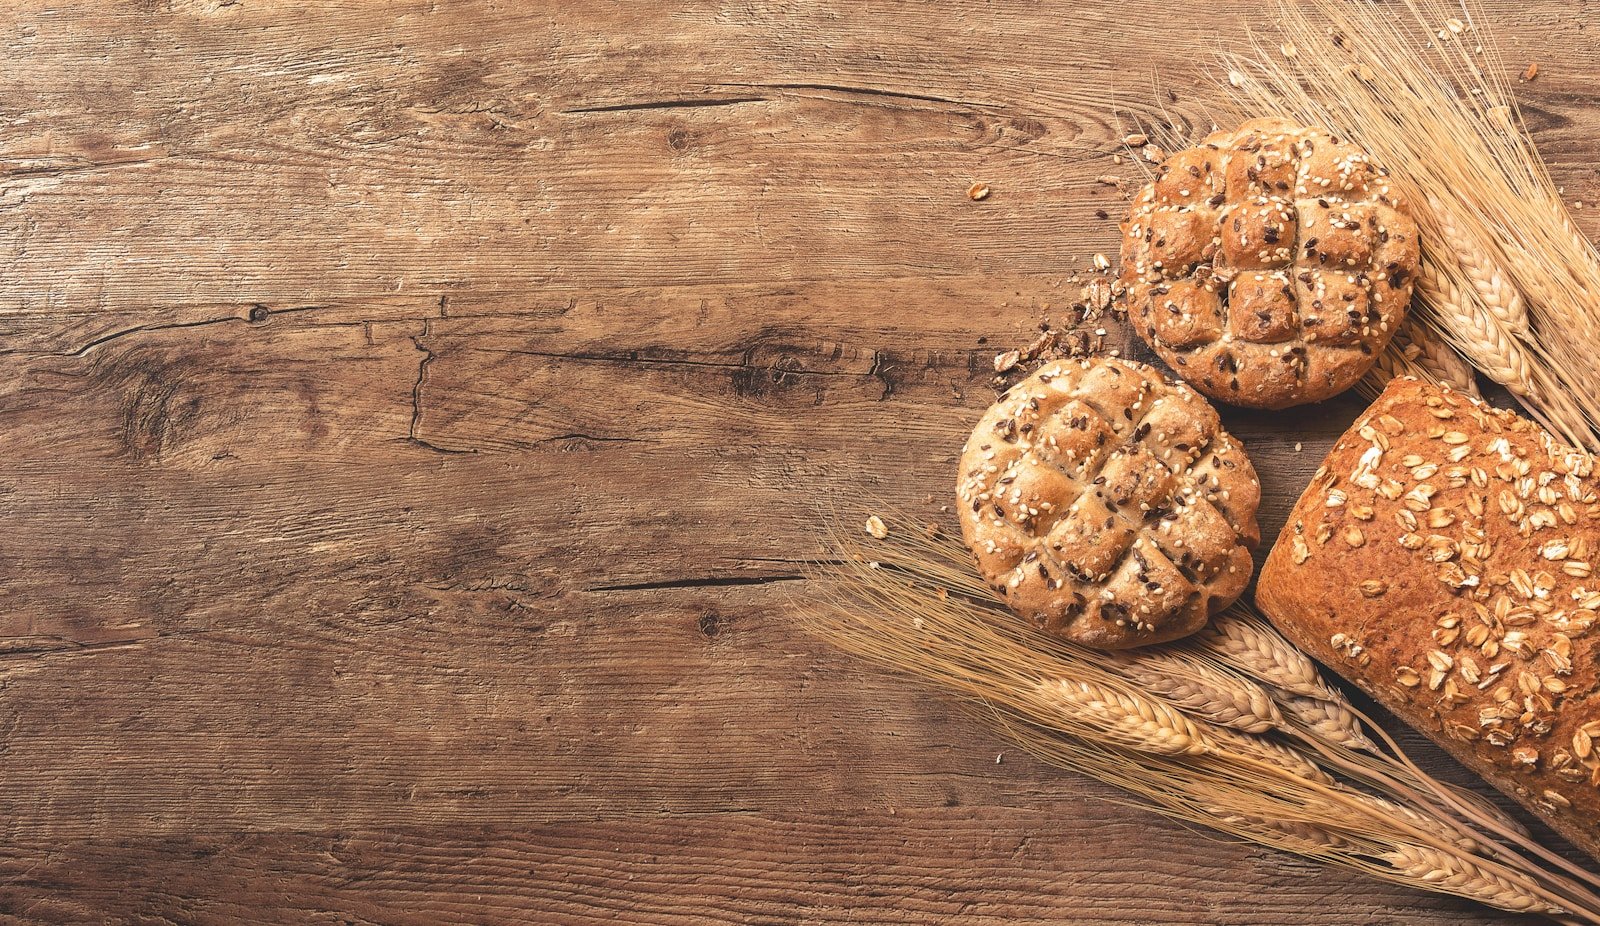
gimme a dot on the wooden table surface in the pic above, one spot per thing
(415, 416)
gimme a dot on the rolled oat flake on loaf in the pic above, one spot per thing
(1442, 560)
(1107, 505)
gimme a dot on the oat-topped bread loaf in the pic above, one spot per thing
(1441, 560)
(1270, 265)
(1108, 505)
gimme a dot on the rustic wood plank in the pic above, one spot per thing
(1018, 866)
(416, 414)
(480, 147)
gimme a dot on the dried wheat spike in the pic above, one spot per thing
(1465, 877)
(1421, 820)
(1392, 363)
(1126, 719)
(1436, 358)
(1254, 648)
(1203, 690)
(1272, 753)
(1496, 291)
(1304, 838)
(1478, 334)
(1328, 719)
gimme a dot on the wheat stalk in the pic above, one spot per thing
(1467, 878)
(913, 603)
(1415, 351)
(1392, 363)
(1254, 648)
(1426, 821)
(1474, 331)
(1328, 719)
(1269, 751)
(1437, 359)
(1328, 822)
(1199, 688)
(1122, 717)
(1495, 291)
(1512, 281)
(1420, 357)
(1305, 838)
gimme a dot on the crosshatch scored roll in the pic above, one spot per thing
(1269, 265)
(1108, 505)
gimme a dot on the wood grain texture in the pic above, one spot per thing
(416, 414)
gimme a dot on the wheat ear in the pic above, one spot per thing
(1463, 876)
(1392, 363)
(1329, 720)
(1437, 358)
(1305, 838)
(1475, 332)
(1223, 698)
(1414, 352)
(1438, 826)
(1258, 651)
(1495, 290)
(1270, 752)
(1124, 718)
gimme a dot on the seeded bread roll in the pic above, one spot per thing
(1270, 265)
(1441, 560)
(1108, 505)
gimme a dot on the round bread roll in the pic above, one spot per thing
(1270, 265)
(1107, 505)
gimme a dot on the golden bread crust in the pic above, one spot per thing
(1269, 265)
(1108, 505)
(1441, 560)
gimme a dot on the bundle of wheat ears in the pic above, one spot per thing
(1236, 729)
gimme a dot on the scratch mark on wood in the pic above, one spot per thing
(747, 363)
(31, 171)
(257, 313)
(880, 372)
(592, 437)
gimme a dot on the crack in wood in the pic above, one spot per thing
(66, 645)
(879, 372)
(416, 391)
(257, 313)
(869, 91)
(591, 437)
(746, 363)
(32, 171)
(698, 582)
(666, 104)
